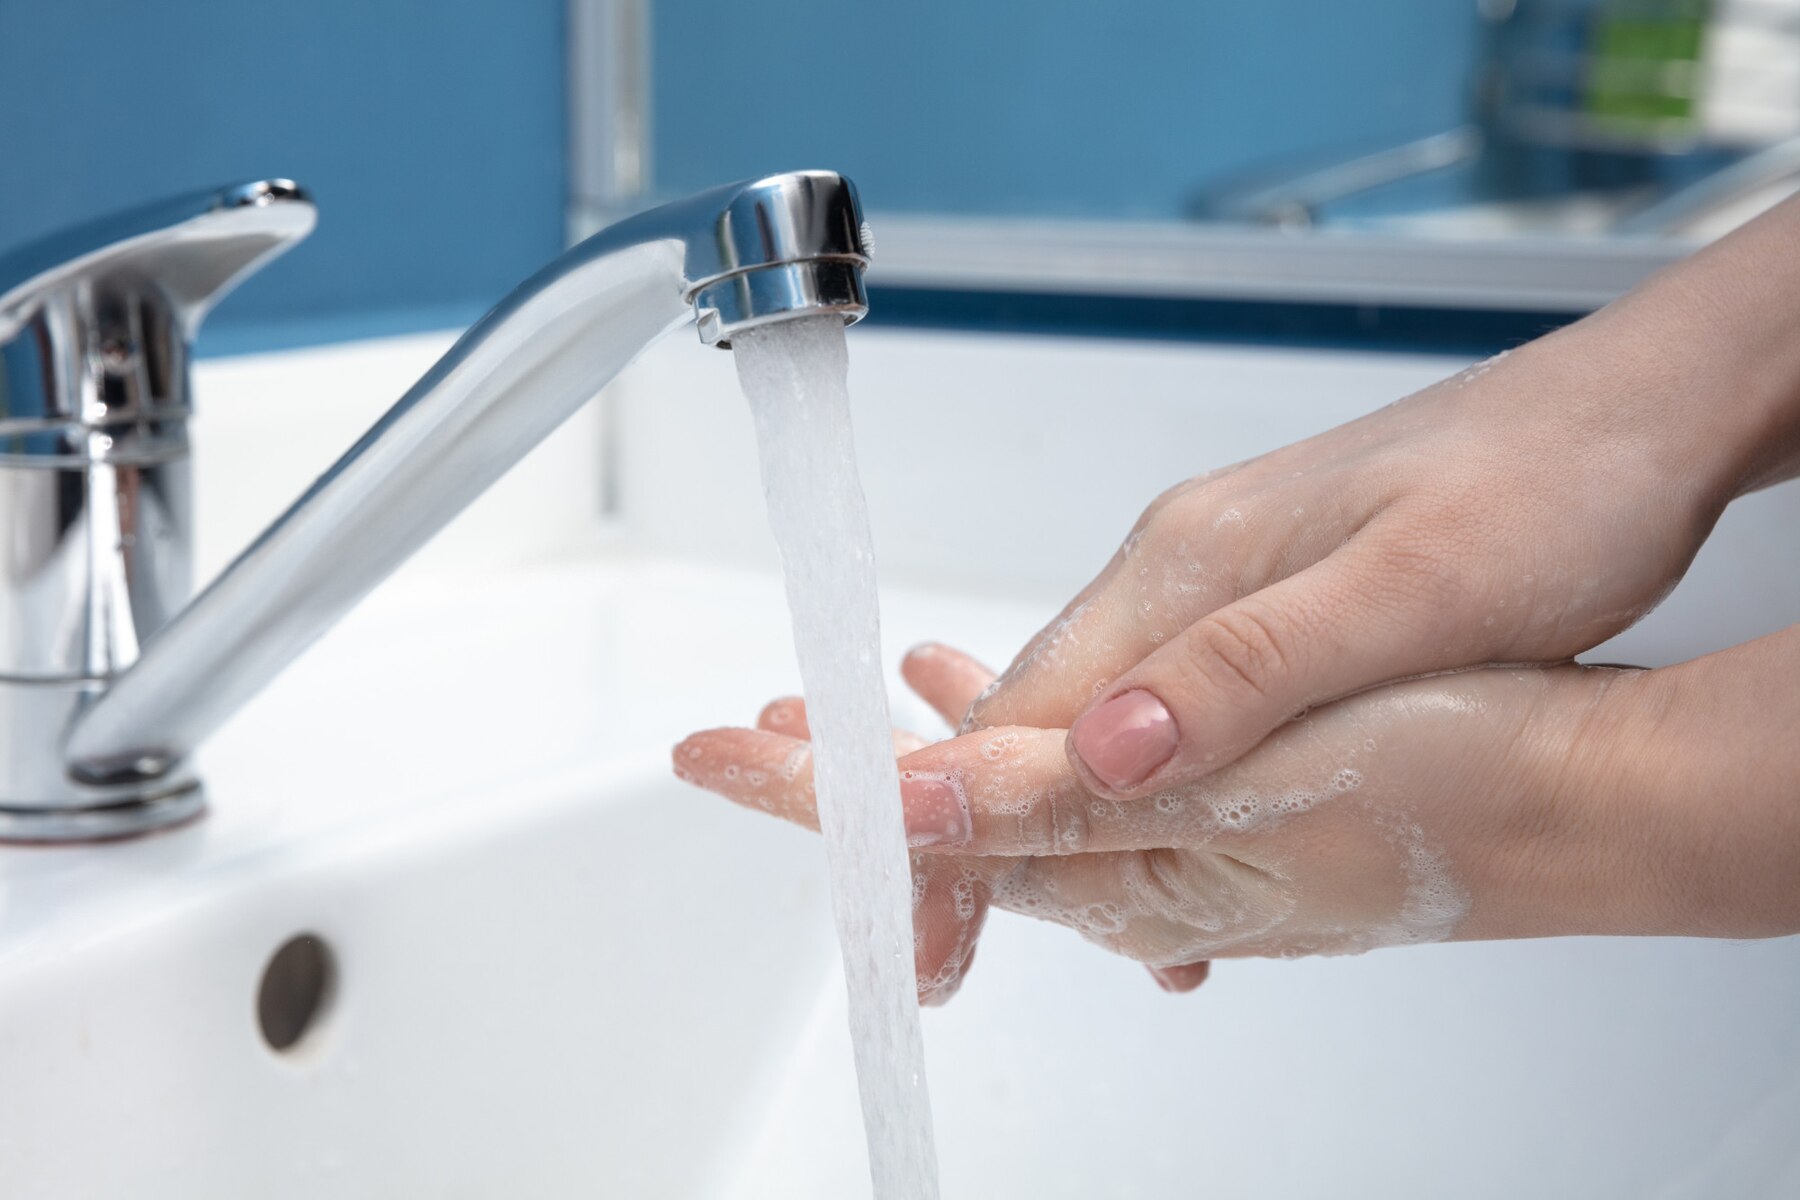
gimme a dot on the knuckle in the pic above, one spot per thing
(1173, 531)
(1034, 827)
(1165, 500)
(1176, 517)
(1069, 827)
(1242, 652)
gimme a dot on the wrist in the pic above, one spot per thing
(1704, 359)
(1634, 813)
(1575, 853)
(1698, 775)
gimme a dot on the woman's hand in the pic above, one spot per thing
(1522, 511)
(1414, 813)
(770, 768)
(1494, 803)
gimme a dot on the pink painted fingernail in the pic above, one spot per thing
(937, 814)
(1125, 739)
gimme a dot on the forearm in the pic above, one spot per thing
(1705, 356)
(1696, 769)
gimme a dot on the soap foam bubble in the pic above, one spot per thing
(1471, 374)
(795, 762)
(999, 746)
(962, 894)
(1010, 802)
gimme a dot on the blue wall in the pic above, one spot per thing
(432, 134)
(1055, 107)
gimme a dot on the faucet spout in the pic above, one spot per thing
(729, 259)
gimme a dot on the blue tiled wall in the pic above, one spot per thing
(1057, 107)
(431, 133)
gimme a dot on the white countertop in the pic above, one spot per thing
(438, 699)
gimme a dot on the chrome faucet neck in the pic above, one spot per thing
(96, 730)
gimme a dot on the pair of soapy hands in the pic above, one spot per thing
(1272, 726)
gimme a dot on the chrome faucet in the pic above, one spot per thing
(109, 677)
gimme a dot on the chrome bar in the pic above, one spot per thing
(733, 258)
(609, 111)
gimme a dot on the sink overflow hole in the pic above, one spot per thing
(296, 990)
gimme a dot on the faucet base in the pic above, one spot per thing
(42, 800)
(110, 822)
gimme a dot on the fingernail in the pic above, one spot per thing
(1180, 979)
(937, 814)
(1125, 739)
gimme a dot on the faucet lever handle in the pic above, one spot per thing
(190, 249)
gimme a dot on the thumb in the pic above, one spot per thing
(1219, 687)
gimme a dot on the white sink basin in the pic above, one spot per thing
(558, 970)
(561, 973)
(1579, 1068)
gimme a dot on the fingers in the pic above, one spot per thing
(1361, 617)
(753, 767)
(1014, 793)
(1198, 549)
(769, 768)
(1183, 978)
(1069, 663)
(1011, 792)
(949, 908)
(1169, 910)
(787, 716)
(945, 678)
(772, 773)
(998, 792)
(953, 893)
(1157, 581)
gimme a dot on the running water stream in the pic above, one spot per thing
(794, 376)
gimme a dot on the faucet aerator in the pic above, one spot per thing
(767, 295)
